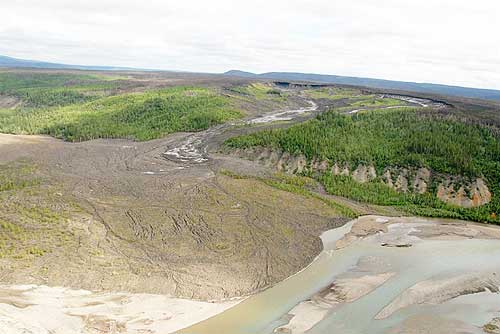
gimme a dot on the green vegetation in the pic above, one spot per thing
(38, 90)
(260, 91)
(297, 184)
(16, 176)
(354, 98)
(32, 218)
(46, 90)
(141, 116)
(373, 101)
(396, 137)
(78, 107)
(37, 98)
(304, 186)
(13, 82)
(428, 204)
(333, 93)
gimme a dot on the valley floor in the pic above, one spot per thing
(375, 274)
(138, 218)
(144, 236)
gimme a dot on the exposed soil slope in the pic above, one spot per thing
(150, 225)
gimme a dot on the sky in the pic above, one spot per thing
(453, 42)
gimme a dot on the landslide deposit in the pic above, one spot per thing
(134, 221)
(123, 215)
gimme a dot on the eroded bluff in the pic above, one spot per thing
(452, 189)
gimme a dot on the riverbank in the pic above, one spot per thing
(381, 275)
(448, 287)
(42, 310)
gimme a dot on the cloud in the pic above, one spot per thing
(441, 41)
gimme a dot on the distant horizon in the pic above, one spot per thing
(450, 42)
(105, 67)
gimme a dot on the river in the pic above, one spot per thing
(445, 260)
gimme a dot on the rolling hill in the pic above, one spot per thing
(6, 61)
(487, 94)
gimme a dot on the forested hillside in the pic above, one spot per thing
(394, 138)
(82, 107)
